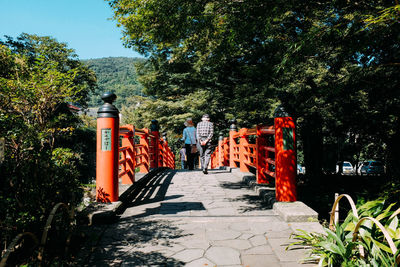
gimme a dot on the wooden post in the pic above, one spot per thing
(226, 151)
(243, 144)
(261, 157)
(107, 148)
(130, 156)
(285, 156)
(155, 142)
(220, 160)
(232, 143)
(145, 149)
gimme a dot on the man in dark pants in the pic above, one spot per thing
(204, 131)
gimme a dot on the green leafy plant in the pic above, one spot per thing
(39, 78)
(372, 239)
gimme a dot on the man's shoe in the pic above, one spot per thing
(205, 171)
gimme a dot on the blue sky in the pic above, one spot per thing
(83, 24)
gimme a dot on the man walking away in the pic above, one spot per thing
(205, 131)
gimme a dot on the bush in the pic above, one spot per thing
(370, 237)
(38, 78)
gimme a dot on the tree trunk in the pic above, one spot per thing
(311, 134)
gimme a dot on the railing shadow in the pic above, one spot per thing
(127, 242)
(251, 202)
(210, 171)
(131, 240)
(218, 171)
(155, 191)
(170, 208)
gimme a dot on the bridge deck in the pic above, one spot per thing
(190, 219)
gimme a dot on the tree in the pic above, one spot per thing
(341, 71)
(335, 74)
(38, 78)
(208, 49)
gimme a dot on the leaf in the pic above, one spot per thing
(365, 229)
(349, 249)
(395, 213)
(382, 246)
(371, 208)
(331, 247)
(394, 224)
(350, 227)
(385, 213)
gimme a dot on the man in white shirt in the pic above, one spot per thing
(204, 132)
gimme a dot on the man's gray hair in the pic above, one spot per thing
(205, 117)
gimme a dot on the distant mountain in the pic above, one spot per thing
(117, 75)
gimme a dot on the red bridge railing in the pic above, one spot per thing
(149, 151)
(121, 150)
(270, 150)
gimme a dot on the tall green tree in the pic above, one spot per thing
(204, 45)
(337, 74)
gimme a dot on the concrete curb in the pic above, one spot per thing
(295, 212)
(287, 211)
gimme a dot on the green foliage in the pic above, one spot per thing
(117, 75)
(38, 77)
(200, 54)
(170, 113)
(336, 75)
(388, 15)
(338, 247)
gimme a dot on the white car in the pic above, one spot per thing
(301, 169)
(346, 166)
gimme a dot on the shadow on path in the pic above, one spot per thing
(210, 171)
(125, 243)
(154, 190)
(254, 202)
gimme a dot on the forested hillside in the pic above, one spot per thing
(114, 74)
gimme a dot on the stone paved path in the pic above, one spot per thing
(191, 219)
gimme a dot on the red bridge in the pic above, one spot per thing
(272, 153)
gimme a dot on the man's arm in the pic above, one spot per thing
(210, 135)
(197, 132)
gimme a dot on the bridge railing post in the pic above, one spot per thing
(220, 151)
(163, 151)
(214, 158)
(145, 151)
(107, 150)
(243, 145)
(261, 157)
(226, 151)
(167, 153)
(129, 155)
(285, 156)
(155, 143)
(155, 140)
(232, 143)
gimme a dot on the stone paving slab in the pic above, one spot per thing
(192, 219)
